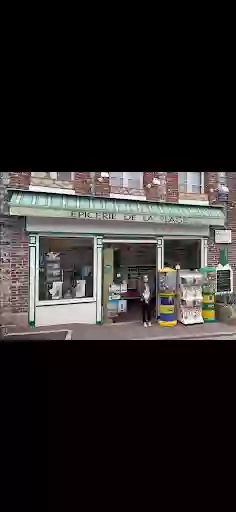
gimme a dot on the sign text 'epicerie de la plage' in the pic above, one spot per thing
(126, 217)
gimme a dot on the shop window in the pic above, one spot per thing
(128, 180)
(191, 182)
(65, 268)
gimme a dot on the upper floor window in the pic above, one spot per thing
(222, 178)
(52, 175)
(130, 180)
(191, 182)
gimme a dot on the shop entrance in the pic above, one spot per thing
(124, 264)
(186, 253)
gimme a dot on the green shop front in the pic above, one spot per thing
(80, 246)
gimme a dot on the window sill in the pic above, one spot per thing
(128, 196)
(51, 190)
(194, 199)
(64, 302)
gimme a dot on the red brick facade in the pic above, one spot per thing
(20, 180)
(14, 240)
(232, 221)
(211, 179)
(172, 187)
(82, 183)
(14, 275)
(230, 209)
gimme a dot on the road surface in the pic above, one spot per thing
(232, 337)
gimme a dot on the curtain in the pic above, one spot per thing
(194, 182)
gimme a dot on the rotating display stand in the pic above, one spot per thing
(189, 297)
(209, 287)
(166, 280)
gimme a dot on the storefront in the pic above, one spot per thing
(78, 244)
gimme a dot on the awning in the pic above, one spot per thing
(34, 204)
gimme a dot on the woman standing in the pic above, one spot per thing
(146, 297)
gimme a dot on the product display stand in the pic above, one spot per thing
(166, 281)
(189, 297)
(209, 287)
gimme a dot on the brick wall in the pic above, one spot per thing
(13, 270)
(13, 256)
(214, 249)
(155, 192)
(83, 182)
(101, 188)
(87, 183)
(172, 187)
(232, 221)
(211, 180)
(19, 179)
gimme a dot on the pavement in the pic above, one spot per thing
(134, 331)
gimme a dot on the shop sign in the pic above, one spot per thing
(223, 236)
(167, 219)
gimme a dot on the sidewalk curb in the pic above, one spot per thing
(185, 336)
(68, 337)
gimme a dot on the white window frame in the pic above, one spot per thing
(83, 300)
(189, 189)
(141, 197)
(126, 180)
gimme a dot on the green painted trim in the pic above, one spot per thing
(96, 235)
(67, 235)
(31, 325)
(23, 203)
(123, 235)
